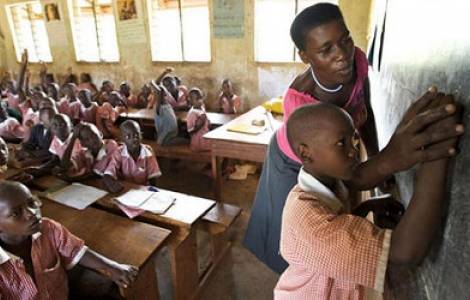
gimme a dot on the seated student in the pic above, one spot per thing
(88, 107)
(36, 252)
(133, 161)
(143, 97)
(10, 129)
(125, 91)
(177, 95)
(228, 101)
(99, 151)
(107, 114)
(40, 138)
(69, 104)
(197, 121)
(52, 91)
(103, 95)
(332, 253)
(166, 124)
(87, 83)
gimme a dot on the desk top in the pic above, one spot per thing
(216, 119)
(263, 138)
(184, 212)
(118, 238)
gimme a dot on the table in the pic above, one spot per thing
(183, 219)
(237, 145)
(118, 238)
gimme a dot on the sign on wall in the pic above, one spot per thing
(229, 18)
(55, 25)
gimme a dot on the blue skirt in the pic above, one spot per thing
(278, 177)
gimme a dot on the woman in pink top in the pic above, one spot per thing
(197, 121)
(228, 101)
(337, 74)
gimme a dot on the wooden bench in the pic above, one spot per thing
(178, 152)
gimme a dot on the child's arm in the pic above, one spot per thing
(45, 168)
(122, 275)
(200, 121)
(24, 65)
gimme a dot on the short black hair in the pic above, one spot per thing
(311, 17)
(196, 90)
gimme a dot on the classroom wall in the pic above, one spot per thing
(232, 58)
(426, 43)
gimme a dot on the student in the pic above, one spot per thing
(177, 95)
(133, 161)
(10, 129)
(333, 254)
(88, 108)
(87, 83)
(69, 104)
(228, 101)
(36, 252)
(143, 97)
(166, 125)
(125, 91)
(197, 121)
(40, 138)
(52, 90)
(99, 151)
(107, 114)
(103, 95)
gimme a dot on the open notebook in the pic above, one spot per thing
(76, 195)
(155, 202)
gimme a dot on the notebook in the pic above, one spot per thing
(155, 202)
(76, 195)
(246, 128)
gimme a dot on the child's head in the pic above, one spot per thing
(20, 213)
(107, 86)
(61, 126)
(85, 77)
(146, 90)
(69, 90)
(52, 91)
(169, 83)
(131, 135)
(3, 153)
(323, 41)
(84, 96)
(177, 80)
(196, 97)
(125, 89)
(324, 138)
(46, 115)
(49, 78)
(115, 99)
(46, 102)
(90, 137)
(227, 86)
(36, 98)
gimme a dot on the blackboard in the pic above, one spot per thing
(427, 42)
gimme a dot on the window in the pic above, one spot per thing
(94, 30)
(273, 19)
(29, 31)
(179, 30)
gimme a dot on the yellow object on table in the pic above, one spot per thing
(274, 105)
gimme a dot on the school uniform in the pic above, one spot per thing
(166, 124)
(99, 163)
(30, 118)
(58, 148)
(71, 109)
(53, 251)
(182, 99)
(198, 142)
(10, 128)
(13, 101)
(88, 114)
(123, 166)
(230, 105)
(40, 138)
(106, 116)
(331, 253)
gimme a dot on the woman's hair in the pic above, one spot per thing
(311, 17)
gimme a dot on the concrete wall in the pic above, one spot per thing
(232, 58)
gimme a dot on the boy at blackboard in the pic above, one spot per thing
(333, 254)
(35, 252)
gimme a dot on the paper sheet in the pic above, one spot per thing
(77, 195)
(155, 202)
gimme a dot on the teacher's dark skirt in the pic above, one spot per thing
(278, 177)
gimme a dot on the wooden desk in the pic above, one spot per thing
(120, 239)
(236, 145)
(182, 219)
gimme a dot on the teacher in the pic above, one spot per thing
(338, 75)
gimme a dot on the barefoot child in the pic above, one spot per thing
(197, 121)
(228, 101)
(36, 252)
(333, 254)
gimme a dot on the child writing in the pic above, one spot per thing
(88, 107)
(228, 101)
(333, 254)
(107, 114)
(197, 121)
(133, 161)
(36, 252)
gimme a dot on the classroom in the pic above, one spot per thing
(234, 149)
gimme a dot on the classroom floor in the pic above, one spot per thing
(240, 275)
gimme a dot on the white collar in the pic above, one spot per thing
(102, 152)
(6, 256)
(66, 142)
(310, 184)
(144, 152)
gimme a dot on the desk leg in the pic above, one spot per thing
(217, 176)
(185, 267)
(145, 286)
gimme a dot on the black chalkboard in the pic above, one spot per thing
(427, 42)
